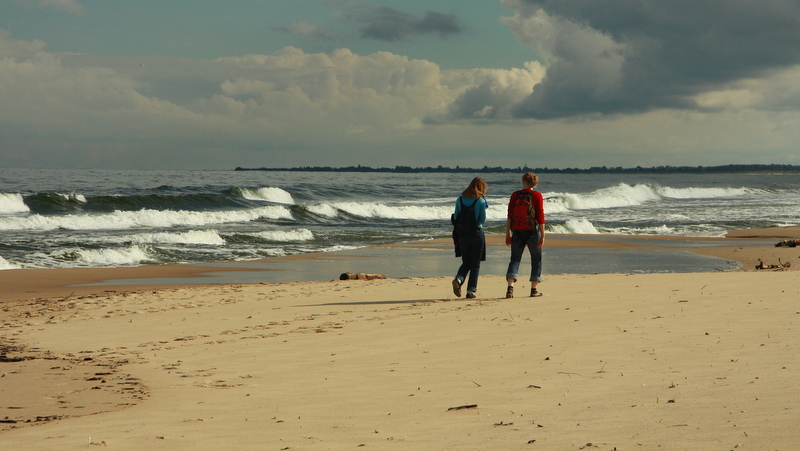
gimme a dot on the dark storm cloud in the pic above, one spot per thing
(388, 24)
(657, 53)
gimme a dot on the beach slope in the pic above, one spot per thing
(607, 361)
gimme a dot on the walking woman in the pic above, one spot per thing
(525, 228)
(469, 217)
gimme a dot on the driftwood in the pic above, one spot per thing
(360, 276)
(788, 243)
(466, 406)
(782, 266)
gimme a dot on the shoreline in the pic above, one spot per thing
(744, 246)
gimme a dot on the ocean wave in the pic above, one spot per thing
(326, 210)
(654, 230)
(574, 226)
(624, 195)
(702, 193)
(409, 212)
(130, 256)
(203, 237)
(120, 220)
(381, 210)
(621, 195)
(5, 264)
(270, 194)
(285, 236)
(11, 203)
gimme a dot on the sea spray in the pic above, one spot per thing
(11, 203)
(270, 194)
(5, 264)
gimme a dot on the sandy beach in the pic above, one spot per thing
(676, 361)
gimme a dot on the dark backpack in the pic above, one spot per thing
(466, 222)
(523, 215)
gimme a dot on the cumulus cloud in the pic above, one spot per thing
(388, 24)
(286, 99)
(11, 48)
(492, 94)
(632, 56)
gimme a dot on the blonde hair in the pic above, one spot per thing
(530, 179)
(476, 188)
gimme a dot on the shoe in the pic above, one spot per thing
(510, 292)
(535, 293)
(470, 295)
(456, 288)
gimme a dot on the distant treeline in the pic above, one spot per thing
(727, 169)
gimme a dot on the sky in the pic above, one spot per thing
(213, 84)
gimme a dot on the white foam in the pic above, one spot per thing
(11, 203)
(270, 194)
(73, 197)
(204, 237)
(327, 210)
(621, 195)
(381, 210)
(286, 236)
(5, 264)
(624, 195)
(657, 230)
(384, 211)
(702, 193)
(577, 226)
(121, 220)
(132, 255)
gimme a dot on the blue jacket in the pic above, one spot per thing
(480, 208)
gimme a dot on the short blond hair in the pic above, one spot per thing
(530, 179)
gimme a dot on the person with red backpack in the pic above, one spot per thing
(525, 228)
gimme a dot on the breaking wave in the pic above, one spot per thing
(130, 256)
(285, 236)
(11, 203)
(624, 195)
(120, 220)
(270, 194)
(5, 264)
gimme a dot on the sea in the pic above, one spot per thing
(68, 218)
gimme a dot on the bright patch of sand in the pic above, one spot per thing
(610, 361)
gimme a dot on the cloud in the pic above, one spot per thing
(633, 56)
(293, 108)
(388, 24)
(307, 31)
(67, 6)
(492, 94)
(11, 48)
(285, 100)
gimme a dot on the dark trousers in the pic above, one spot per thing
(472, 246)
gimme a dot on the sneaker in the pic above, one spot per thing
(470, 295)
(510, 293)
(535, 293)
(456, 288)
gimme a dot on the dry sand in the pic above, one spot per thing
(610, 361)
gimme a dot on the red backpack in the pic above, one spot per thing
(523, 215)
